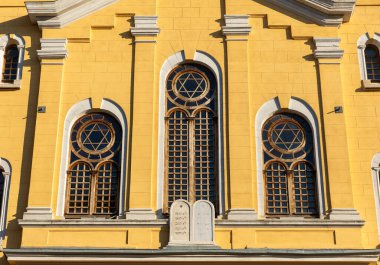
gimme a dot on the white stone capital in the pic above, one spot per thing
(236, 25)
(327, 48)
(53, 49)
(145, 26)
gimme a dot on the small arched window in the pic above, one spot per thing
(372, 59)
(289, 171)
(191, 135)
(93, 175)
(10, 68)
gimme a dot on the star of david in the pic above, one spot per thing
(287, 136)
(191, 85)
(96, 136)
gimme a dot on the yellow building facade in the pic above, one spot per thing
(112, 110)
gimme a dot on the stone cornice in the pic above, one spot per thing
(236, 25)
(145, 26)
(59, 13)
(321, 12)
(327, 48)
(53, 49)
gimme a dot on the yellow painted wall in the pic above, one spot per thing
(278, 62)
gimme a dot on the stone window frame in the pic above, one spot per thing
(375, 172)
(7, 173)
(362, 43)
(4, 40)
(169, 64)
(79, 109)
(300, 107)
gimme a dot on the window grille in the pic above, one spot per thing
(372, 60)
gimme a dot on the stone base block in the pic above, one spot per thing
(140, 214)
(38, 213)
(242, 214)
(344, 214)
(191, 246)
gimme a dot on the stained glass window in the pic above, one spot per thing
(289, 166)
(372, 60)
(191, 151)
(93, 175)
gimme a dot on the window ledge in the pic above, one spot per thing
(11, 86)
(285, 222)
(368, 84)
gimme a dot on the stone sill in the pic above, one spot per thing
(299, 222)
(368, 85)
(10, 86)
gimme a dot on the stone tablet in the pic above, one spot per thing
(180, 222)
(203, 222)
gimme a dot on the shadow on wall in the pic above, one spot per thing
(23, 27)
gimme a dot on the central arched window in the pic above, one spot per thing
(289, 167)
(191, 135)
(94, 173)
(372, 60)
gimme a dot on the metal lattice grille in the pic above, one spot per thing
(277, 189)
(10, 63)
(106, 189)
(204, 156)
(304, 189)
(372, 60)
(79, 189)
(178, 157)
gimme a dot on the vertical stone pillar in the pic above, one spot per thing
(328, 55)
(236, 32)
(52, 55)
(145, 32)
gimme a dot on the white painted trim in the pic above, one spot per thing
(361, 45)
(145, 26)
(302, 108)
(4, 39)
(76, 111)
(236, 25)
(167, 66)
(53, 49)
(327, 48)
(375, 172)
(7, 173)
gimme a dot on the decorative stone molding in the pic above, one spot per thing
(145, 26)
(321, 12)
(362, 44)
(4, 40)
(57, 14)
(236, 25)
(344, 214)
(238, 214)
(140, 214)
(7, 173)
(53, 49)
(375, 172)
(38, 213)
(327, 48)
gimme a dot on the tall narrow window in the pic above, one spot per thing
(191, 135)
(372, 59)
(289, 166)
(11, 57)
(2, 183)
(93, 175)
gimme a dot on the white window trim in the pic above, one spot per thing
(21, 48)
(361, 45)
(7, 172)
(264, 113)
(375, 172)
(172, 62)
(79, 109)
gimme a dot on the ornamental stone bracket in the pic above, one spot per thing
(53, 49)
(236, 25)
(145, 26)
(327, 48)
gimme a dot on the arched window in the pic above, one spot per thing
(372, 60)
(10, 63)
(93, 175)
(191, 135)
(289, 171)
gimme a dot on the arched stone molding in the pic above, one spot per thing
(265, 112)
(4, 41)
(170, 63)
(361, 45)
(7, 172)
(76, 111)
(375, 172)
